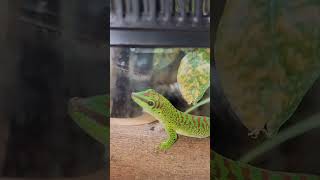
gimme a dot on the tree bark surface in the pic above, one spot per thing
(133, 155)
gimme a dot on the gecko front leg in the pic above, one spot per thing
(171, 139)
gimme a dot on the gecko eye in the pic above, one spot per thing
(150, 103)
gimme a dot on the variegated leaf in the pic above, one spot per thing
(194, 75)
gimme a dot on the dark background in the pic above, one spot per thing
(50, 51)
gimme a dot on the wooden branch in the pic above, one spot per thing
(132, 154)
(145, 118)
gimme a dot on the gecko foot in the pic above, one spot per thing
(156, 149)
(163, 147)
(159, 148)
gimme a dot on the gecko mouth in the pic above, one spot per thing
(136, 96)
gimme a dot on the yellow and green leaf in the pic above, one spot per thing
(194, 75)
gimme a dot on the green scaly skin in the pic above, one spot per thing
(222, 168)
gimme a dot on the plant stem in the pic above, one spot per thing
(205, 101)
(291, 132)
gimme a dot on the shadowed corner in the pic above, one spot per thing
(224, 119)
(73, 104)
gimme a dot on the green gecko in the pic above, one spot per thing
(86, 111)
(174, 121)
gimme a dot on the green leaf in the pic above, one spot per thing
(267, 57)
(194, 75)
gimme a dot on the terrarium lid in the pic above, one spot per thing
(173, 23)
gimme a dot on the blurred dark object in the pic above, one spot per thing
(218, 7)
(227, 129)
(52, 51)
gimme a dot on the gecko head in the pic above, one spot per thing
(149, 100)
